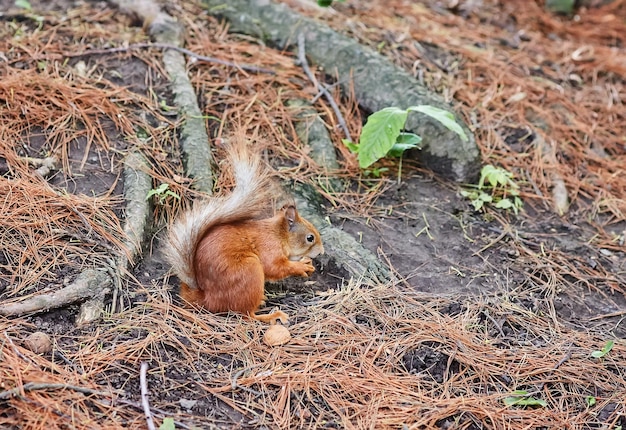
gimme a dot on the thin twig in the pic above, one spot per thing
(159, 45)
(32, 386)
(321, 88)
(612, 314)
(144, 395)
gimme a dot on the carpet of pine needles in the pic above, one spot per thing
(508, 70)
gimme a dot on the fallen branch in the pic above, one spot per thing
(137, 185)
(32, 386)
(87, 285)
(311, 129)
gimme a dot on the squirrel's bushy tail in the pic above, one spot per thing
(250, 197)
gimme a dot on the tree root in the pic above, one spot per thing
(376, 82)
(88, 284)
(344, 249)
(194, 139)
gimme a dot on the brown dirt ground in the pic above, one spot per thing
(488, 303)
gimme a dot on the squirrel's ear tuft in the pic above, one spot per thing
(290, 214)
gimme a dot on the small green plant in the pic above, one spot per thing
(382, 134)
(326, 3)
(590, 400)
(163, 193)
(608, 346)
(28, 8)
(495, 186)
(376, 172)
(522, 398)
(23, 4)
(168, 424)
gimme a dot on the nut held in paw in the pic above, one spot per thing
(276, 335)
(39, 342)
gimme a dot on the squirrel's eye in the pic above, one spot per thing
(310, 238)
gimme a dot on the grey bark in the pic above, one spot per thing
(137, 185)
(347, 253)
(377, 83)
(88, 284)
(194, 140)
(312, 130)
(344, 249)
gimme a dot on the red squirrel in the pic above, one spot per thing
(223, 252)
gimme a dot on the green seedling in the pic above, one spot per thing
(24, 4)
(326, 3)
(162, 192)
(608, 346)
(28, 8)
(382, 134)
(496, 187)
(590, 400)
(376, 171)
(168, 424)
(522, 398)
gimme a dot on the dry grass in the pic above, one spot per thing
(344, 365)
(54, 231)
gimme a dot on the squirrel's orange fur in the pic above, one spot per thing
(223, 253)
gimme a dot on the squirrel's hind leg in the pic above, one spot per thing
(271, 318)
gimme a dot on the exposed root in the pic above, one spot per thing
(88, 284)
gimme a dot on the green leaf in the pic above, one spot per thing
(521, 398)
(376, 172)
(379, 134)
(608, 346)
(172, 194)
(560, 6)
(351, 145)
(590, 401)
(484, 173)
(159, 190)
(23, 4)
(443, 116)
(504, 204)
(324, 3)
(168, 424)
(485, 197)
(409, 139)
(524, 401)
(404, 142)
(478, 204)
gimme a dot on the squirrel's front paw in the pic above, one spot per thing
(306, 269)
